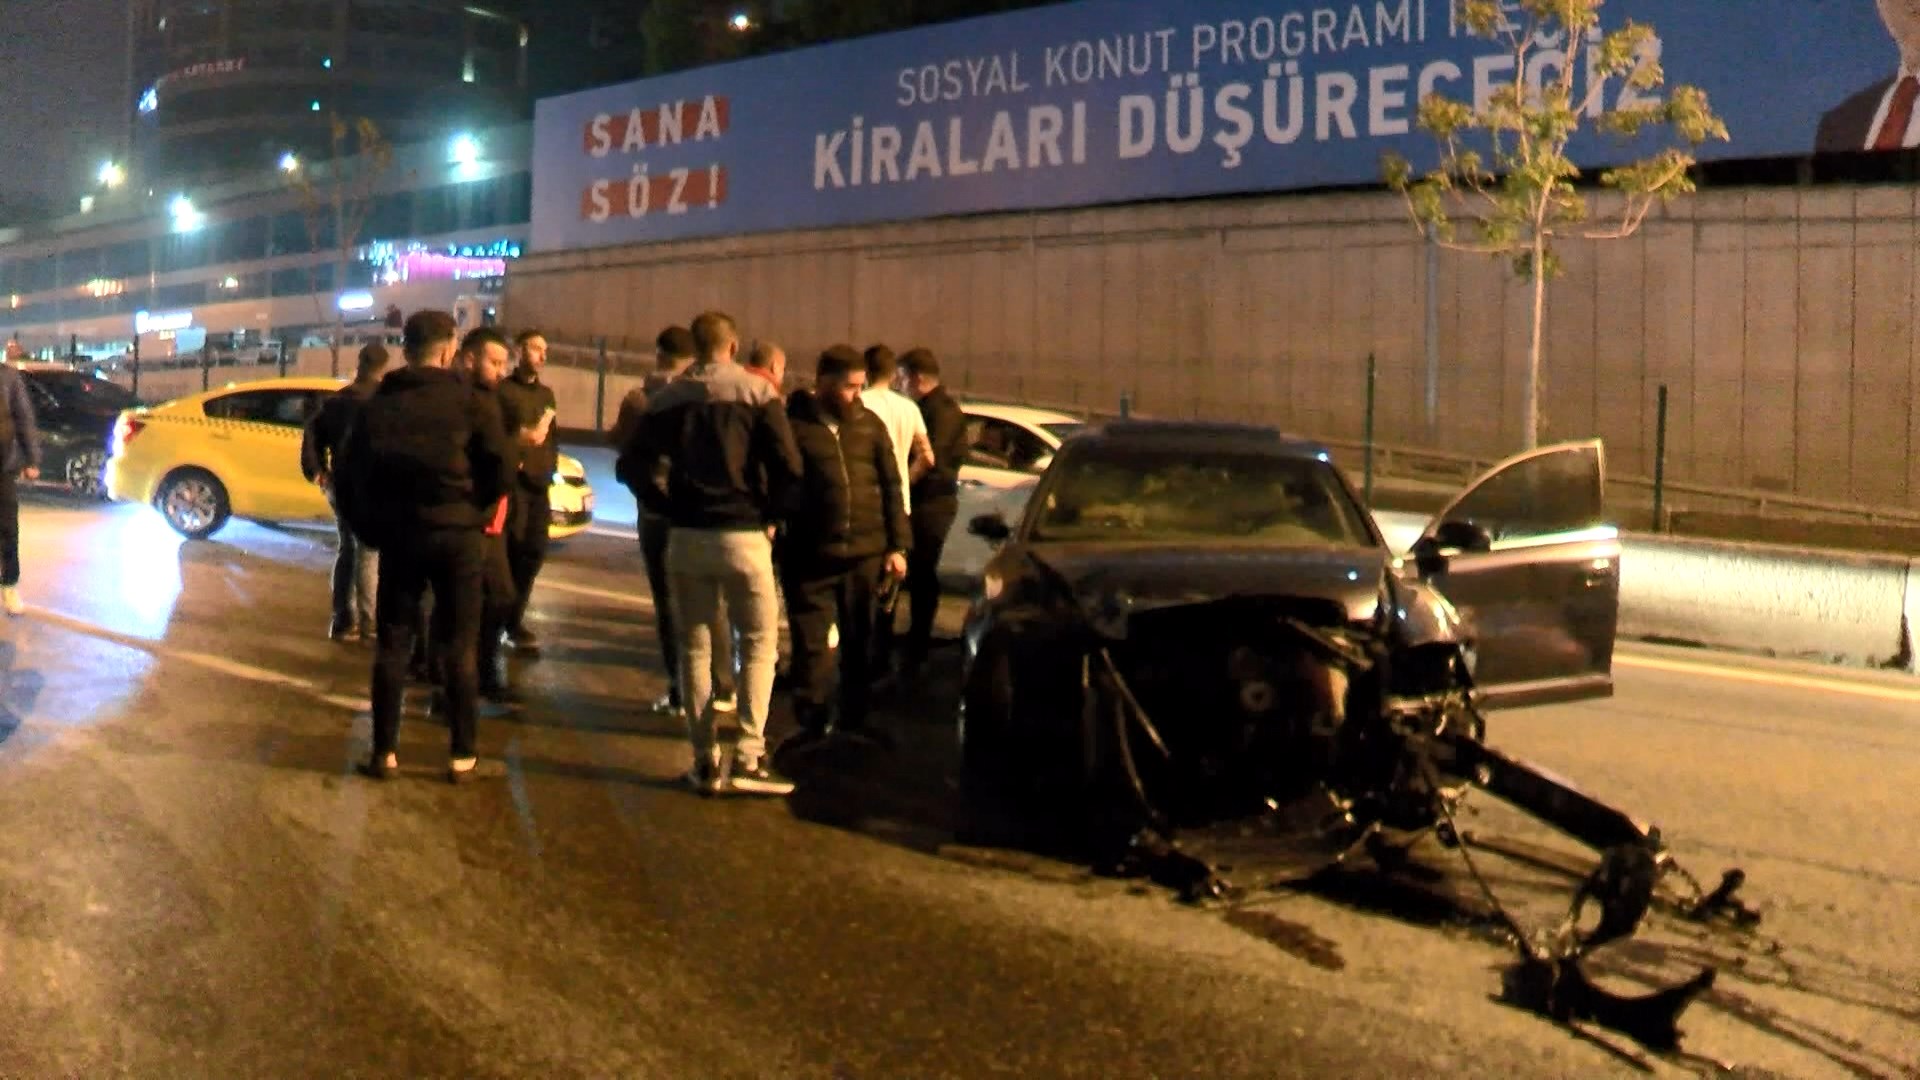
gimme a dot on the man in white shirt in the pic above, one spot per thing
(912, 450)
(1882, 116)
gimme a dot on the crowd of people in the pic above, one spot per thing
(825, 502)
(439, 473)
(829, 503)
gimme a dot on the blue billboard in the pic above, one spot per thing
(1109, 101)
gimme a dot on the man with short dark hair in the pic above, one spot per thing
(424, 510)
(936, 497)
(485, 353)
(529, 407)
(907, 430)
(356, 574)
(730, 456)
(769, 361)
(846, 530)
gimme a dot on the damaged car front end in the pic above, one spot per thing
(1196, 649)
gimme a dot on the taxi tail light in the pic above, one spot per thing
(123, 432)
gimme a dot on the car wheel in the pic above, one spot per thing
(194, 502)
(86, 474)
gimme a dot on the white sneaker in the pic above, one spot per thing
(10, 595)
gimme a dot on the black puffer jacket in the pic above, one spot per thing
(426, 451)
(847, 504)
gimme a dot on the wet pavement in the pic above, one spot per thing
(194, 883)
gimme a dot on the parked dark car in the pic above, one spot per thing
(76, 410)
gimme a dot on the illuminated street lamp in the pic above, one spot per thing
(186, 217)
(289, 163)
(465, 149)
(741, 22)
(112, 175)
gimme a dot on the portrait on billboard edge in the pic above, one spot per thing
(1114, 101)
(1881, 116)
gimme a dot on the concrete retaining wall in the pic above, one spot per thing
(1817, 605)
(1783, 322)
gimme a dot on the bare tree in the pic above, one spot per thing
(342, 195)
(1521, 194)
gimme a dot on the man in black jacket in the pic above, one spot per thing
(936, 497)
(729, 455)
(484, 354)
(19, 460)
(423, 469)
(846, 530)
(356, 572)
(530, 407)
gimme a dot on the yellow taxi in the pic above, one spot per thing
(234, 451)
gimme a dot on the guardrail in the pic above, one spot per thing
(1417, 463)
(1424, 464)
(1774, 599)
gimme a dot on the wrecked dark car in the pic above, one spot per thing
(1197, 644)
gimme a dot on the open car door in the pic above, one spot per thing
(1527, 556)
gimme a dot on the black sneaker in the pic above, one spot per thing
(754, 776)
(704, 777)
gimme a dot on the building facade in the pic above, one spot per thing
(246, 265)
(224, 87)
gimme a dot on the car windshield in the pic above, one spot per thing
(1062, 430)
(1138, 494)
(75, 390)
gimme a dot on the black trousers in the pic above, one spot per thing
(653, 551)
(527, 545)
(931, 522)
(497, 597)
(821, 594)
(9, 527)
(499, 600)
(452, 562)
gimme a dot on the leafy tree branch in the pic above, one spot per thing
(1503, 162)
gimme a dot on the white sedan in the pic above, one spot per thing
(1008, 447)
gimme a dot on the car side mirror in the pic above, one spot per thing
(1450, 538)
(992, 528)
(1462, 536)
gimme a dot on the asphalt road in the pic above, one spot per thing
(193, 882)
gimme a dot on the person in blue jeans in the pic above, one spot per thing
(356, 567)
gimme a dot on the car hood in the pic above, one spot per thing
(1145, 577)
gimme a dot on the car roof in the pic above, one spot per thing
(1205, 435)
(37, 367)
(292, 382)
(1017, 414)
